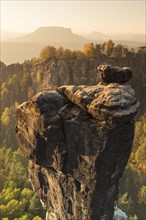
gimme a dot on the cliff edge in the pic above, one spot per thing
(78, 141)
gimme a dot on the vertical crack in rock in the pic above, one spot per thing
(78, 141)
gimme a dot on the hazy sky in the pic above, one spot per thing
(82, 16)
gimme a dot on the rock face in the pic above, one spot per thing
(83, 70)
(115, 74)
(78, 141)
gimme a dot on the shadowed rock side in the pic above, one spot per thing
(78, 141)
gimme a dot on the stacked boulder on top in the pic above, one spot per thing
(110, 99)
(78, 140)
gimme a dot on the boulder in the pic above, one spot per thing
(115, 74)
(78, 140)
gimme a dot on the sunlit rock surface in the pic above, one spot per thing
(78, 140)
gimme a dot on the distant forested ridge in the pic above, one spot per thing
(55, 67)
(17, 49)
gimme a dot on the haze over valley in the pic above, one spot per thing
(17, 47)
(28, 26)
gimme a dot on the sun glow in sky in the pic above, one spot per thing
(81, 16)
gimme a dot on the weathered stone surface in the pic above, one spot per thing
(78, 141)
(115, 74)
(107, 102)
(79, 71)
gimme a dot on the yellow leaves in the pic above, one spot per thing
(47, 52)
(138, 155)
(37, 218)
(27, 193)
(9, 194)
(144, 128)
(124, 199)
(59, 51)
(88, 49)
(77, 53)
(142, 195)
(5, 118)
(133, 217)
(38, 77)
(12, 206)
(67, 53)
(144, 167)
(16, 105)
(30, 92)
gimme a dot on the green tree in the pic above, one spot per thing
(5, 118)
(17, 200)
(109, 47)
(77, 53)
(67, 53)
(59, 52)
(37, 218)
(118, 51)
(97, 50)
(142, 195)
(140, 154)
(133, 217)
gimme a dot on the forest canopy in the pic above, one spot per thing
(20, 82)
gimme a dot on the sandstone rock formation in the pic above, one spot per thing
(78, 141)
(115, 74)
(83, 71)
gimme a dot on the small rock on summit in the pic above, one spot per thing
(115, 74)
